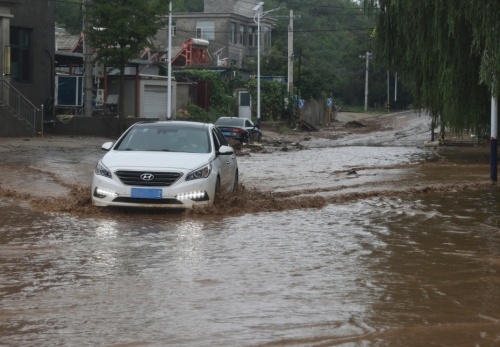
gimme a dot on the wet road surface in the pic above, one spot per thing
(405, 252)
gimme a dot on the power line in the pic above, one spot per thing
(302, 5)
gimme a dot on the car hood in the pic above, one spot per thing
(155, 160)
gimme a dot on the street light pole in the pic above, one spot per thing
(259, 15)
(494, 139)
(88, 66)
(258, 9)
(367, 56)
(169, 58)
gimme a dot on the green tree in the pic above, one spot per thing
(447, 51)
(272, 98)
(328, 36)
(221, 100)
(69, 15)
(120, 29)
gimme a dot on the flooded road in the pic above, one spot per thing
(404, 251)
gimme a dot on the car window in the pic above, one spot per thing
(230, 121)
(166, 138)
(219, 139)
(248, 124)
(216, 140)
(192, 141)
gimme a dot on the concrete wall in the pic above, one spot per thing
(315, 112)
(38, 15)
(93, 126)
(13, 127)
(183, 95)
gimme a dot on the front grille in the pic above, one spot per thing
(161, 179)
(149, 201)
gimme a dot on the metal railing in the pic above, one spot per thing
(22, 108)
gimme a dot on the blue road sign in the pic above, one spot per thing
(329, 102)
(302, 102)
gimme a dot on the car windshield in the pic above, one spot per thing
(169, 137)
(239, 122)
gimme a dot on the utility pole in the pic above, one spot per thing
(258, 10)
(88, 67)
(169, 73)
(395, 89)
(388, 92)
(367, 56)
(290, 54)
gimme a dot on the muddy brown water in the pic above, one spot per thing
(404, 251)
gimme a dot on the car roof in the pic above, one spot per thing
(161, 123)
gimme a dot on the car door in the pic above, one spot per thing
(250, 127)
(225, 162)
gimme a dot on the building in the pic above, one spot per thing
(229, 26)
(224, 36)
(27, 63)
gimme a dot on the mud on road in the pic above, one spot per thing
(53, 173)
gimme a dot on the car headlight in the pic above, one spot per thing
(102, 170)
(204, 172)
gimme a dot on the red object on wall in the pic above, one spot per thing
(193, 52)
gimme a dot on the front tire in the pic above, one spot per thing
(217, 191)
(236, 182)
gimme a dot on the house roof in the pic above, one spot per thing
(241, 7)
(63, 58)
(66, 42)
(11, 2)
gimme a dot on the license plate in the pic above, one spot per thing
(226, 133)
(145, 193)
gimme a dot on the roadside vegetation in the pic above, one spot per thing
(448, 54)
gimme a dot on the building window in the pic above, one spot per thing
(174, 29)
(252, 36)
(267, 36)
(21, 54)
(241, 36)
(233, 33)
(205, 30)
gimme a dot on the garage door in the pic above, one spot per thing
(154, 102)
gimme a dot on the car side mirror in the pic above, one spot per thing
(225, 150)
(107, 146)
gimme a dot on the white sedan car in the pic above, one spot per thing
(165, 164)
